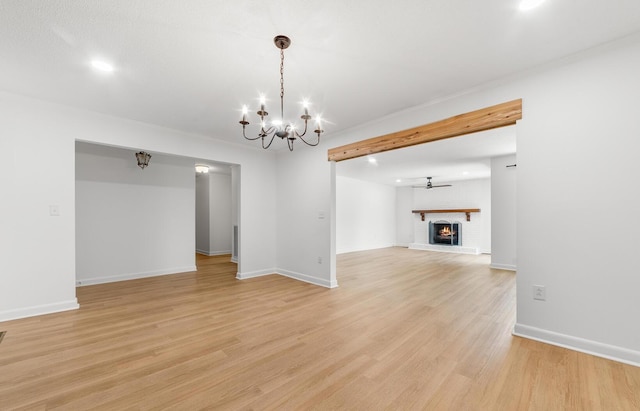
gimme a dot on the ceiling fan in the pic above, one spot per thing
(430, 185)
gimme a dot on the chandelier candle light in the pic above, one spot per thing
(278, 127)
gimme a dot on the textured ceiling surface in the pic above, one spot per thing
(191, 65)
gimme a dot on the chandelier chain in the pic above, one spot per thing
(282, 84)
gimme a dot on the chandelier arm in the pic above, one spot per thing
(303, 132)
(273, 136)
(267, 131)
(308, 143)
(249, 138)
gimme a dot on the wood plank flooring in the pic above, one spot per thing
(406, 330)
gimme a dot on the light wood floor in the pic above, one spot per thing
(405, 330)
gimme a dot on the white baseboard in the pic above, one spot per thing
(133, 276)
(25, 312)
(611, 352)
(444, 248)
(503, 267)
(253, 274)
(234, 259)
(212, 253)
(308, 279)
(291, 274)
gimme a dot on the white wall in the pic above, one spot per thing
(365, 215)
(306, 215)
(579, 131)
(220, 216)
(202, 213)
(404, 216)
(476, 233)
(235, 204)
(47, 132)
(37, 267)
(503, 212)
(132, 223)
(577, 150)
(214, 215)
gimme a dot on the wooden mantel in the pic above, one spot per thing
(467, 211)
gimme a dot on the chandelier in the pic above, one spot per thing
(280, 128)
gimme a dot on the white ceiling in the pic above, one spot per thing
(191, 64)
(461, 158)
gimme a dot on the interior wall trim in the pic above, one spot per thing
(213, 253)
(510, 267)
(253, 274)
(35, 310)
(598, 349)
(134, 276)
(291, 274)
(308, 279)
(500, 115)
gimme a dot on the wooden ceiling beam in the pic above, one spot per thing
(500, 115)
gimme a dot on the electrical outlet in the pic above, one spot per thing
(319, 260)
(54, 210)
(539, 292)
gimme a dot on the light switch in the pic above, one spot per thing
(54, 210)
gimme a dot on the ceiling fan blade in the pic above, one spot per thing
(430, 185)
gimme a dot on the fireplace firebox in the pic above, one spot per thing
(445, 233)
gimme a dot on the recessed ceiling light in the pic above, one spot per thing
(530, 4)
(372, 160)
(102, 66)
(398, 181)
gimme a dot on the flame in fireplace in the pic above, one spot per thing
(446, 231)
